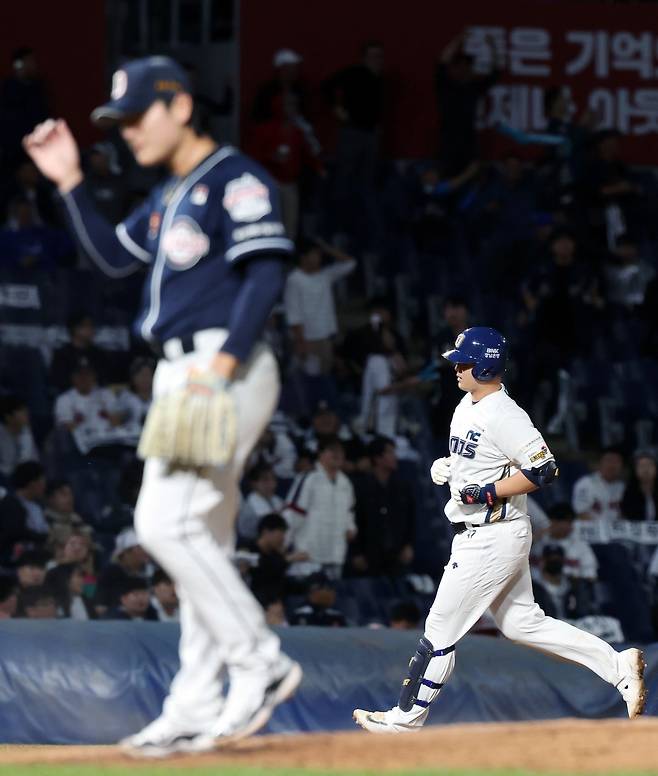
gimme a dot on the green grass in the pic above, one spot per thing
(223, 770)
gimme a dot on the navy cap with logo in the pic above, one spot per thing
(138, 84)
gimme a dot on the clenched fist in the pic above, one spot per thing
(440, 471)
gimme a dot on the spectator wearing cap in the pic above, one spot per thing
(163, 597)
(640, 500)
(87, 412)
(597, 496)
(579, 559)
(133, 601)
(320, 511)
(81, 345)
(66, 582)
(8, 598)
(133, 403)
(385, 515)
(37, 603)
(310, 307)
(405, 615)
(16, 440)
(31, 569)
(285, 82)
(129, 560)
(21, 515)
(319, 608)
(262, 500)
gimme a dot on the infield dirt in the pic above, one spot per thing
(575, 746)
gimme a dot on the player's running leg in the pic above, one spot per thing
(522, 620)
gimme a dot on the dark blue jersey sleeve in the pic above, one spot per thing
(252, 214)
(112, 250)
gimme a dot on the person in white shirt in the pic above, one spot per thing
(497, 457)
(262, 500)
(87, 411)
(310, 307)
(16, 440)
(320, 511)
(579, 559)
(163, 597)
(598, 496)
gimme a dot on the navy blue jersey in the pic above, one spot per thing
(195, 234)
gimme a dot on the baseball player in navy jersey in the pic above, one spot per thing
(496, 457)
(214, 247)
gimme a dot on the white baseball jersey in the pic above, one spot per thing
(489, 440)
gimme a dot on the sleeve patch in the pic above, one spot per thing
(246, 198)
(265, 229)
(540, 455)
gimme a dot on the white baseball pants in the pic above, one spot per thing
(489, 569)
(185, 521)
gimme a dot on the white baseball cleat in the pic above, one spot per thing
(160, 738)
(382, 722)
(239, 720)
(632, 687)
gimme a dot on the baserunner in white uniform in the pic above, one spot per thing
(497, 456)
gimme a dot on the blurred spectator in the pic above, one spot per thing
(88, 412)
(459, 90)
(285, 83)
(8, 598)
(60, 508)
(405, 615)
(66, 582)
(26, 244)
(275, 611)
(598, 496)
(357, 342)
(81, 345)
(579, 558)
(325, 424)
(16, 440)
(30, 186)
(385, 515)
(133, 403)
(105, 181)
(640, 499)
(133, 601)
(271, 558)
(319, 608)
(627, 275)
(37, 603)
(129, 561)
(77, 548)
(21, 515)
(23, 104)
(309, 303)
(262, 500)
(559, 595)
(649, 318)
(283, 148)
(320, 511)
(456, 318)
(163, 597)
(357, 96)
(120, 512)
(31, 569)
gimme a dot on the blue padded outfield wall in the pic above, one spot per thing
(93, 683)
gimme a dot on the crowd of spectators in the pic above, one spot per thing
(394, 259)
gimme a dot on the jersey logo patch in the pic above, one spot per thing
(465, 447)
(246, 198)
(184, 243)
(119, 84)
(199, 195)
(539, 455)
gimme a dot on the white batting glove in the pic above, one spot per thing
(456, 494)
(440, 471)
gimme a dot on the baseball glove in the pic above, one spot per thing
(193, 427)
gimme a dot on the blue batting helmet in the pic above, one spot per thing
(483, 347)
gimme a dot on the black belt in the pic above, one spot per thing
(186, 342)
(458, 528)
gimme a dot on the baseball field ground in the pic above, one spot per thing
(560, 747)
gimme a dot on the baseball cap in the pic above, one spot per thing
(318, 581)
(552, 549)
(125, 541)
(286, 57)
(138, 84)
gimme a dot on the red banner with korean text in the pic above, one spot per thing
(605, 55)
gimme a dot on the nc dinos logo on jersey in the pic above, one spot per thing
(246, 198)
(184, 243)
